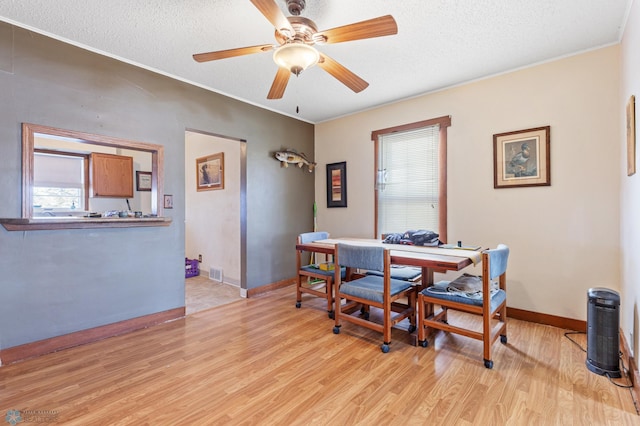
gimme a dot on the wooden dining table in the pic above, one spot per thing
(430, 259)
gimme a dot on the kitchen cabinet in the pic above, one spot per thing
(111, 175)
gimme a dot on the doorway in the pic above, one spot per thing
(215, 220)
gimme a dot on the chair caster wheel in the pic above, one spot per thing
(331, 314)
(411, 328)
(423, 343)
(298, 304)
(488, 364)
(384, 347)
(503, 340)
(336, 330)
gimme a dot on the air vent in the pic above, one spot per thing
(215, 273)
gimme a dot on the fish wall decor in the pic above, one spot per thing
(290, 156)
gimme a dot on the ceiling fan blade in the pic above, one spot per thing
(230, 53)
(272, 12)
(376, 27)
(345, 76)
(279, 83)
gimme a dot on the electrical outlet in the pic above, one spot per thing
(200, 258)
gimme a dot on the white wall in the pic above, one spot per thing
(212, 218)
(564, 238)
(630, 185)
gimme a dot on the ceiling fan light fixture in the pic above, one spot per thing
(296, 57)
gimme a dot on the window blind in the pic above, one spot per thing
(58, 181)
(408, 180)
(60, 171)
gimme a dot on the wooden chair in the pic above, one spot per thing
(381, 292)
(475, 295)
(311, 278)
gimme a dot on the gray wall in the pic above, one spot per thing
(57, 282)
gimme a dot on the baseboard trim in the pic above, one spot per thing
(54, 344)
(538, 318)
(632, 366)
(270, 287)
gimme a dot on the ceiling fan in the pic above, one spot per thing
(296, 37)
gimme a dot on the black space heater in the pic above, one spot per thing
(603, 325)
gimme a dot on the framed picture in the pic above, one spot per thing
(522, 158)
(143, 181)
(168, 201)
(337, 184)
(631, 136)
(210, 172)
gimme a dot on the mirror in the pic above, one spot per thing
(56, 174)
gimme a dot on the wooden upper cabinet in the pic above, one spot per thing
(111, 175)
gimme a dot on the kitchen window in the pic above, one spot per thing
(59, 181)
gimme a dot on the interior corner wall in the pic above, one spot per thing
(630, 185)
(62, 281)
(564, 238)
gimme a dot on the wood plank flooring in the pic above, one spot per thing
(262, 361)
(202, 293)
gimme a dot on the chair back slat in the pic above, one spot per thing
(310, 237)
(498, 261)
(361, 257)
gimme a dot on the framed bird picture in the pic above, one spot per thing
(522, 158)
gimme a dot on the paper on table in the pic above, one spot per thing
(464, 247)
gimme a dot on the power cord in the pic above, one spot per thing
(624, 369)
(566, 334)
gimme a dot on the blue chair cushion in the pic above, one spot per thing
(315, 270)
(441, 291)
(371, 287)
(406, 273)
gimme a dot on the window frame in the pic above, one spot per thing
(444, 122)
(72, 154)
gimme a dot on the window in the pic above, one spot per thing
(411, 163)
(59, 180)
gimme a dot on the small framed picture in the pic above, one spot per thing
(143, 181)
(210, 172)
(168, 201)
(337, 184)
(522, 158)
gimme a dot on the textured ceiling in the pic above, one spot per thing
(440, 43)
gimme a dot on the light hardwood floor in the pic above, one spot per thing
(202, 293)
(262, 361)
